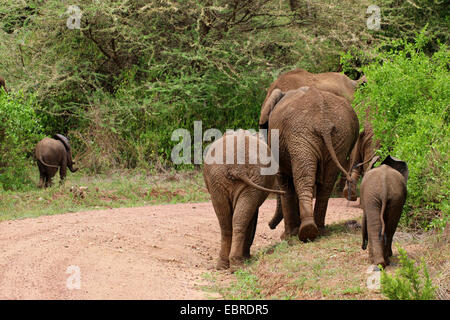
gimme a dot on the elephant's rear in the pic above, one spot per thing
(49, 151)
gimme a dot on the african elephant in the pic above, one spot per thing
(51, 154)
(333, 82)
(317, 130)
(383, 194)
(237, 189)
(3, 84)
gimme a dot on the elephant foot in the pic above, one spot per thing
(286, 235)
(236, 263)
(222, 264)
(308, 230)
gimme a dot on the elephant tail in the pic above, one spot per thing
(278, 216)
(39, 158)
(365, 236)
(326, 135)
(325, 131)
(254, 185)
(383, 209)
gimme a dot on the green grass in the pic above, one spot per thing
(332, 267)
(113, 190)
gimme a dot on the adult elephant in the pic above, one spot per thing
(334, 82)
(3, 84)
(317, 130)
(51, 154)
(340, 85)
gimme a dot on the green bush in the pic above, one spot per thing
(408, 283)
(135, 71)
(19, 132)
(407, 98)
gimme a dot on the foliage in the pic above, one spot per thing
(19, 131)
(135, 70)
(408, 283)
(407, 99)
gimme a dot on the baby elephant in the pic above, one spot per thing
(235, 176)
(383, 194)
(51, 154)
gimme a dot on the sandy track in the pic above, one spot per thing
(154, 252)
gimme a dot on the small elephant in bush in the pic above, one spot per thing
(383, 194)
(237, 189)
(51, 154)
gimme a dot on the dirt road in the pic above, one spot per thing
(155, 252)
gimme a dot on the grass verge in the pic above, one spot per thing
(113, 190)
(332, 267)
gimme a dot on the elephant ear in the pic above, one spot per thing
(398, 165)
(268, 106)
(64, 140)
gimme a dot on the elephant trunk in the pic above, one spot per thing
(349, 191)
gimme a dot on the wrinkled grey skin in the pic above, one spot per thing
(51, 154)
(383, 194)
(317, 130)
(237, 191)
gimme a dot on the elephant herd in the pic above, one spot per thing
(318, 137)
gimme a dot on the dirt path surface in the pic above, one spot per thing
(155, 252)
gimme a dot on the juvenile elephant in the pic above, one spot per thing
(383, 194)
(317, 131)
(3, 84)
(237, 189)
(51, 154)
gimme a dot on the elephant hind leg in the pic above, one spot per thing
(323, 194)
(250, 235)
(222, 207)
(289, 207)
(244, 216)
(304, 177)
(42, 181)
(42, 175)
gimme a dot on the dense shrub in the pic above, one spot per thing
(408, 97)
(19, 131)
(410, 282)
(135, 70)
